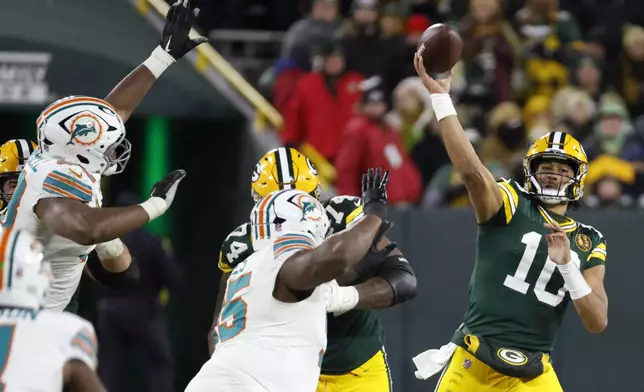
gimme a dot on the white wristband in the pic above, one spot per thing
(109, 250)
(575, 282)
(348, 298)
(155, 207)
(443, 106)
(158, 61)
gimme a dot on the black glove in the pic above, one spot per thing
(179, 21)
(167, 188)
(374, 192)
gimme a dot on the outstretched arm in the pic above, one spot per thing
(484, 194)
(593, 308)
(307, 270)
(76, 221)
(173, 45)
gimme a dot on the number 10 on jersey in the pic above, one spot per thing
(232, 319)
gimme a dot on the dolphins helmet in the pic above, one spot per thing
(290, 210)
(25, 278)
(556, 146)
(86, 131)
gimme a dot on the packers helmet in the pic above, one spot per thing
(556, 146)
(13, 156)
(284, 168)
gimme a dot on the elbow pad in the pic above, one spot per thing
(396, 271)
(127, 278)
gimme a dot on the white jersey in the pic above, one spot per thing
(264, 345)
(35, 346)
(45, 178)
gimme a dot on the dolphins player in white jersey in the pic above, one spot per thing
(271, 332)
(40, 350)
(80, 139)
(13, 156)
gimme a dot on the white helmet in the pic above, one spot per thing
(86, 131)
(25, 278)
(288, 210)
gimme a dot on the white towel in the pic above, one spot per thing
(433, 361)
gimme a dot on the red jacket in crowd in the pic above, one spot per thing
(366, 144)
(317, 117)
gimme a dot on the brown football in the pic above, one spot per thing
(440, 47)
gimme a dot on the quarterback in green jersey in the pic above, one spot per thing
(532, 261)
(354, 359)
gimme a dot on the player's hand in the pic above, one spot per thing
(167, 188)
(374, 192)
(175, 37)
(434, 86)
(558, 244)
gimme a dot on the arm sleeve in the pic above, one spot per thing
(597, 256)
(289, 243)
(83, 345)
(510, 204)
(348, 162)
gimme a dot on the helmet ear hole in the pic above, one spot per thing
(82, 159)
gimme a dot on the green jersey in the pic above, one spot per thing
(356, 336)
(353, 337)
(517, 296)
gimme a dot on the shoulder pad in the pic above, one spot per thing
(66, 180)
(237, 247)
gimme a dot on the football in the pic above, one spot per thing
(440, 47)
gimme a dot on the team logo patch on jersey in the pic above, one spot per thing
(467, 364)
(583, 242)
(512, 357)
(86, 129)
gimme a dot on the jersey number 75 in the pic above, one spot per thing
(232, 319)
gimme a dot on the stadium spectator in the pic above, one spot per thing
(553, 41)
(574, 112)
(506, 142)
(323, 102)
(631, 81)
(362, 38)
(614, 135)
(369, 142)
(412, 111)
(323, 22)
(491, 50)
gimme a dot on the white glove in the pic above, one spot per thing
(339, 300)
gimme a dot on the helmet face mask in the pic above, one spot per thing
(555, 169)
(284, 168)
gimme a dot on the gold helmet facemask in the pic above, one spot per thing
(13, 156)
(556, 146)
(284, 168)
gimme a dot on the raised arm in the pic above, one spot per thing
(173, 45)
(308, 269)
(484, 194)
(85, 225)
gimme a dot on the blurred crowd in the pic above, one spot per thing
(346, 86)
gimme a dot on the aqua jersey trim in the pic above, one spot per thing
(61, 184)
